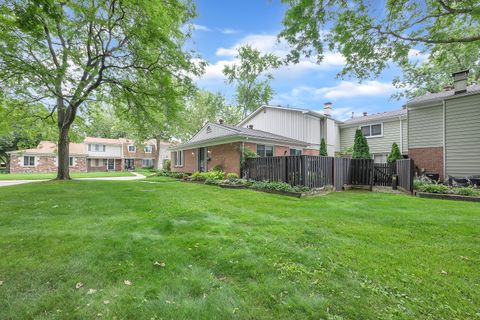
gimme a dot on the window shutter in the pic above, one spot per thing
(103, 148)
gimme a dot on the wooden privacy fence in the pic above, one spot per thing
(316, 171)
(406, 172)
(310, 171)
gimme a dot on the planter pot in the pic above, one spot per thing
(446, 196)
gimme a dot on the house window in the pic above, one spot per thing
(29, 161)
(70, 161)
(264, 151)
(96, 147)
(147, 163)
(94, 162)
(372, 130)
(178, 158)
(295, 152)
(147, 149)
(131, 148)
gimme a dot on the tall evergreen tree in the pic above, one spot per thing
(323, 148)
(394, 154)
(360, 147)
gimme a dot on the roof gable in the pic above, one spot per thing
(210, 131)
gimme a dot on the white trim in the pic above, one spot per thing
(151, 149)
(401, 136)
(444, 106)
(134, 148)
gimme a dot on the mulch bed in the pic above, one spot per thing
(446, 196)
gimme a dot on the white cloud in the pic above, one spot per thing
(229, 31)
(417, 55)
(347, 89)
(200, 27)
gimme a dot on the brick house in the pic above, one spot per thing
(93, 155)
(44, 158)
(221, 145)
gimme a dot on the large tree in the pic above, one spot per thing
(66, 53)
(206, 106)
(371, 34)
(252, 76)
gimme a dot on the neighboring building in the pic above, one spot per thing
(381, 130)
(94, 154)
(221, 145)
(299, 124)
(444, 130)
(44, 158)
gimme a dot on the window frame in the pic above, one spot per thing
(265, 146)
(134, 148)
(29, 162)
(178, 158)
(370, 126)
(149, 147)
(145, 161)
(296, 150)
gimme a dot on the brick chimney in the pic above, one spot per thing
(327, 109)
(460, 81)
(220, 121)
(365, 114)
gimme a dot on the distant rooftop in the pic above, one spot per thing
(439, 96)
(376, 116)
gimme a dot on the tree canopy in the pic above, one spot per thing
(394, 154)
(65, 54)
(372, 34)
(252, 76)
(323, 148)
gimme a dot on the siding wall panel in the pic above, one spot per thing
(462, 137)
(425, 126)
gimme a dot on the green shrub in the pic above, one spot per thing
(232, 176)
(212, 181)
(394, 154)
(418, 182)
(323, 148)
(360, 146)
(195, 176)
(234, 182)
(277, 186)
(217, 168)
(434, 188)
(466, 191)
(167, 164)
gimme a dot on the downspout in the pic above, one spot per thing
(401, 135)
(444, 140)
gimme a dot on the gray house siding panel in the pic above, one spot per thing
(462, 138)
(391, 134)
(425, 127)
(404, 136)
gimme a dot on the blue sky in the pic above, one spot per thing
(222, 26)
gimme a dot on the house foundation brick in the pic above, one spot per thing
(311, 152)
(226, 156)
(428, 159)
(282, 151)
(44, 164)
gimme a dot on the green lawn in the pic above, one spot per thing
(233, 254)
(42, 176)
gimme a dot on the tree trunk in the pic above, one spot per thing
(157, 157)
(63, 172)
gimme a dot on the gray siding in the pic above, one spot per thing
(391, 134)
(425, 126)
(405, 136)
(462, 138)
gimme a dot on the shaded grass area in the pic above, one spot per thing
(43, 176)
(233, 254)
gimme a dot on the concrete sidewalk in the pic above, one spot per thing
(136, 176)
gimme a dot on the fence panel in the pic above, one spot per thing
(406, 173)
(311, 171)
(382, 173)
(341, 170)
(361, 172)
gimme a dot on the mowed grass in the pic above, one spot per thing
(233, 254)
(44, 176)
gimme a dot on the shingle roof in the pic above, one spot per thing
(50, 148)
(439, 96)
(261, 134)
(102, 140)
(375, 117)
